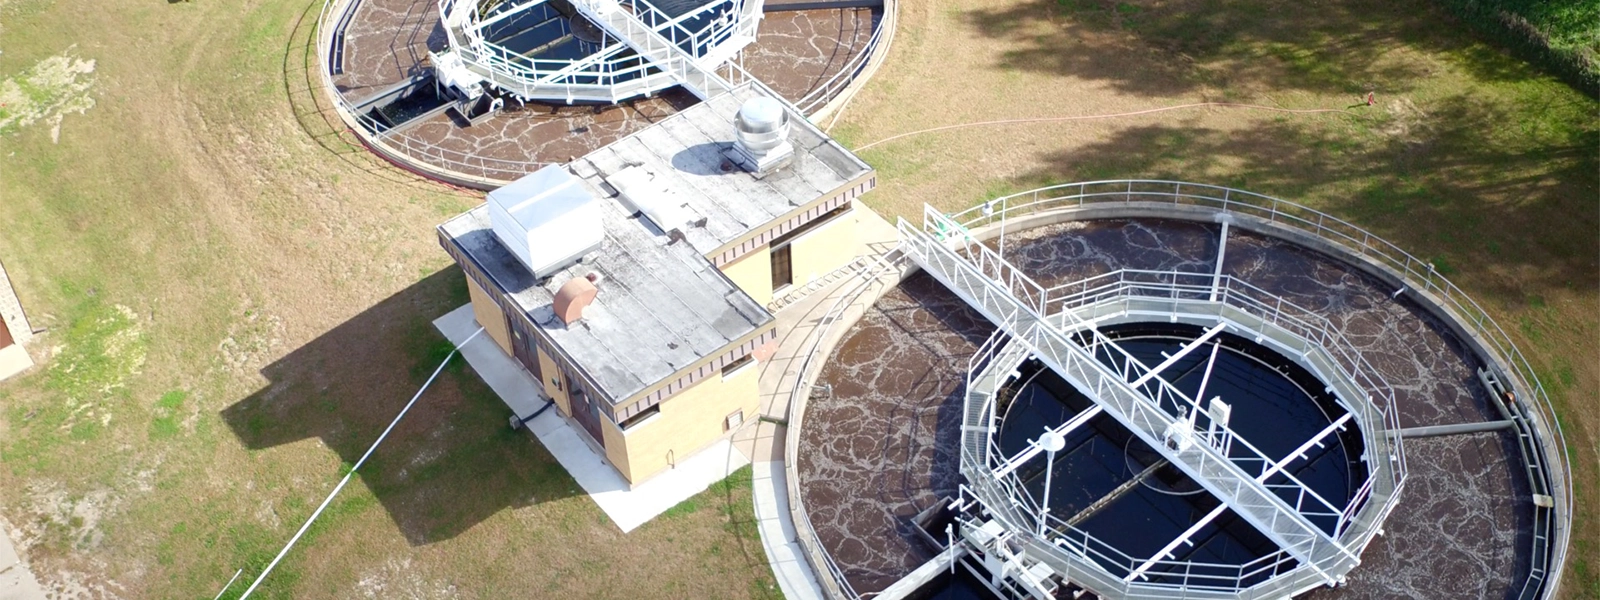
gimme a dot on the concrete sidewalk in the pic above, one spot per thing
(628, 508)
(799, 326)
(16, 581)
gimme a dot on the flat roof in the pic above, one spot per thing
(686, 150)
(662, 305)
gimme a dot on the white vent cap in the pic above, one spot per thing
(762, 114)
(762, 135)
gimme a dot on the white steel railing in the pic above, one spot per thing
(832, 87)
(1228, 480)
(619, 21)
(403, 146)
(586, 81)
(1537, 426)
(1074, 553)
(1152, 294)
(821, 561)
(1186, 293)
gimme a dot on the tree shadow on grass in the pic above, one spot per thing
(1168, 47)
(451, 463)
(1497, 192)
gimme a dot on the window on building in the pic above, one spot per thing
(737, 365)
(782, 268)
(636, 420)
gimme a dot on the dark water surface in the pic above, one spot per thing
(882, 446)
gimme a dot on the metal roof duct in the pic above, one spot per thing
(762, 136)
(547, 219)
(641, 191)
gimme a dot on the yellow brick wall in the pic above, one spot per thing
(617, 447)
(689, 420)
(489, 315)
(547, 366)
(753, 274)
(819, 251)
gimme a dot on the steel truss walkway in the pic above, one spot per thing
(658, 39)
(1134, 395)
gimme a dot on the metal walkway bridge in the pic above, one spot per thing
(1322, 539)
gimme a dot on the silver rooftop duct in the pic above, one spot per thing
(762, 136)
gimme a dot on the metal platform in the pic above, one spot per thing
(1320, 541)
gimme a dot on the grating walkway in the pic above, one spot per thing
(1205, 464)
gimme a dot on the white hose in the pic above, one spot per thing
(357, 467)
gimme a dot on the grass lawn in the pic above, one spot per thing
(237, 300)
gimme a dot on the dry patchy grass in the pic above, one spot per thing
(237, 302)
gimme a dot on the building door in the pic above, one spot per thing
(5, 335)
(782, 268)
(523, 347)
(585, 412)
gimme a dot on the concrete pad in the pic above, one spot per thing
(14, 359)
(627, 508)
(16, 581)
(789, 566)
(769, 442)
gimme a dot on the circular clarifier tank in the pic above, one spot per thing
(1109, 484)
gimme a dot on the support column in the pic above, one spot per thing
(1222, 252)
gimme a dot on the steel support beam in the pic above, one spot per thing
(1216, 512)
(1177, 356)
(1222, 251)
(1306, 447)
(1182, 538)
(996, 289)
(1034, 448)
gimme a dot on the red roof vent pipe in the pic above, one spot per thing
(573, 296)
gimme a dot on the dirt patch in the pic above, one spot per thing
(47, 92)
(398, 578)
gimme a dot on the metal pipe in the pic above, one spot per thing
(1454, 429)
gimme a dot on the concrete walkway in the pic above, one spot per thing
(798, 324)
(628, 508)
(16, 581)
(14, 358)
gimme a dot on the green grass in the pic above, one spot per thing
(1561, 35)
(87, 386)
(686, 507)
(166, 423)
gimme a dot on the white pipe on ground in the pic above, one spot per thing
(268, 571)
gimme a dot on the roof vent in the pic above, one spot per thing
(547, 219)
(572, 298)
(762, 127)
(642, 191)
